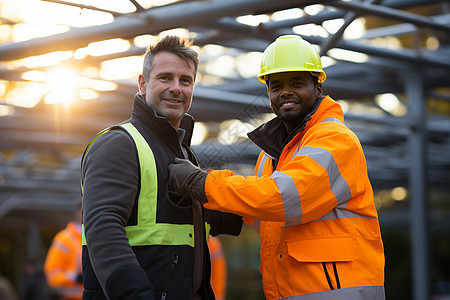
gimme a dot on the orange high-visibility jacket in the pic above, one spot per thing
(63, 263)
(218, 268)
(320, 235)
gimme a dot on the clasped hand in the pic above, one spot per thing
(187, 179)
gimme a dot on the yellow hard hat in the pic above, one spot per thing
(291, 53)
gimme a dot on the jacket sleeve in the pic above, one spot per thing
(110, 175)
(326, 171)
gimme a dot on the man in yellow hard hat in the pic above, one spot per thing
(311, 199)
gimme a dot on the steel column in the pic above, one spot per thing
(417, 186)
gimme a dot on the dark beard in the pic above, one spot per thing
(292, 118)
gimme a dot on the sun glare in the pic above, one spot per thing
(233, 130)
(107, 47)
(47, 80)
(199, 134)
(26, 94)
(391, 103)
(348, 55)
(63, 84)
(253, 20)
(48, 59)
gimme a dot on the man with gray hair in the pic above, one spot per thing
(140, 242)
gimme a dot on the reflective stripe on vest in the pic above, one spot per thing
(147, 231)
(359, 292)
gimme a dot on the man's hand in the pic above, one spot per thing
(187, 179)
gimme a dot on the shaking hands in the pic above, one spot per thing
(187, 179)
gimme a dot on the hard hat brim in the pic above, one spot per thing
(321, 78)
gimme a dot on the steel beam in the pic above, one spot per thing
(82, 6)
(430, 58)
(330, 41)
(386, 12)
(400, 29)
(153, 21)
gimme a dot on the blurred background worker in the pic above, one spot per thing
(218, 268)
(63, 263)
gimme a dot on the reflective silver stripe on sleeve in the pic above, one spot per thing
(340, 212)
(296, 150)
(261, 165)
(290, 196)
(256, 225)
(359, 292)
(338, 185)
(333, 120)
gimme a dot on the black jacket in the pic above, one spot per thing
(111, 182)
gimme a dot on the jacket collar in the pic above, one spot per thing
(272, 136)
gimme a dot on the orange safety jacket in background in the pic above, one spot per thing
(218, 268)
(63, 263)
(319, 229)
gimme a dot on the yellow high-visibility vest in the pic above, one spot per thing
(147, 231)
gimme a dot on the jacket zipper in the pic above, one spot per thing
(174, 262)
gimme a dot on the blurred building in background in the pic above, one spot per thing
(68, 69)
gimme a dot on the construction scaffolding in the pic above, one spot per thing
(40, 146)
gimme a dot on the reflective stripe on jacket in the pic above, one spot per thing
(318, 223)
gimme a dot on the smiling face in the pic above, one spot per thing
(292, 95)
(170, 86)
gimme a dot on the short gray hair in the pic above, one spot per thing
(172, 44)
